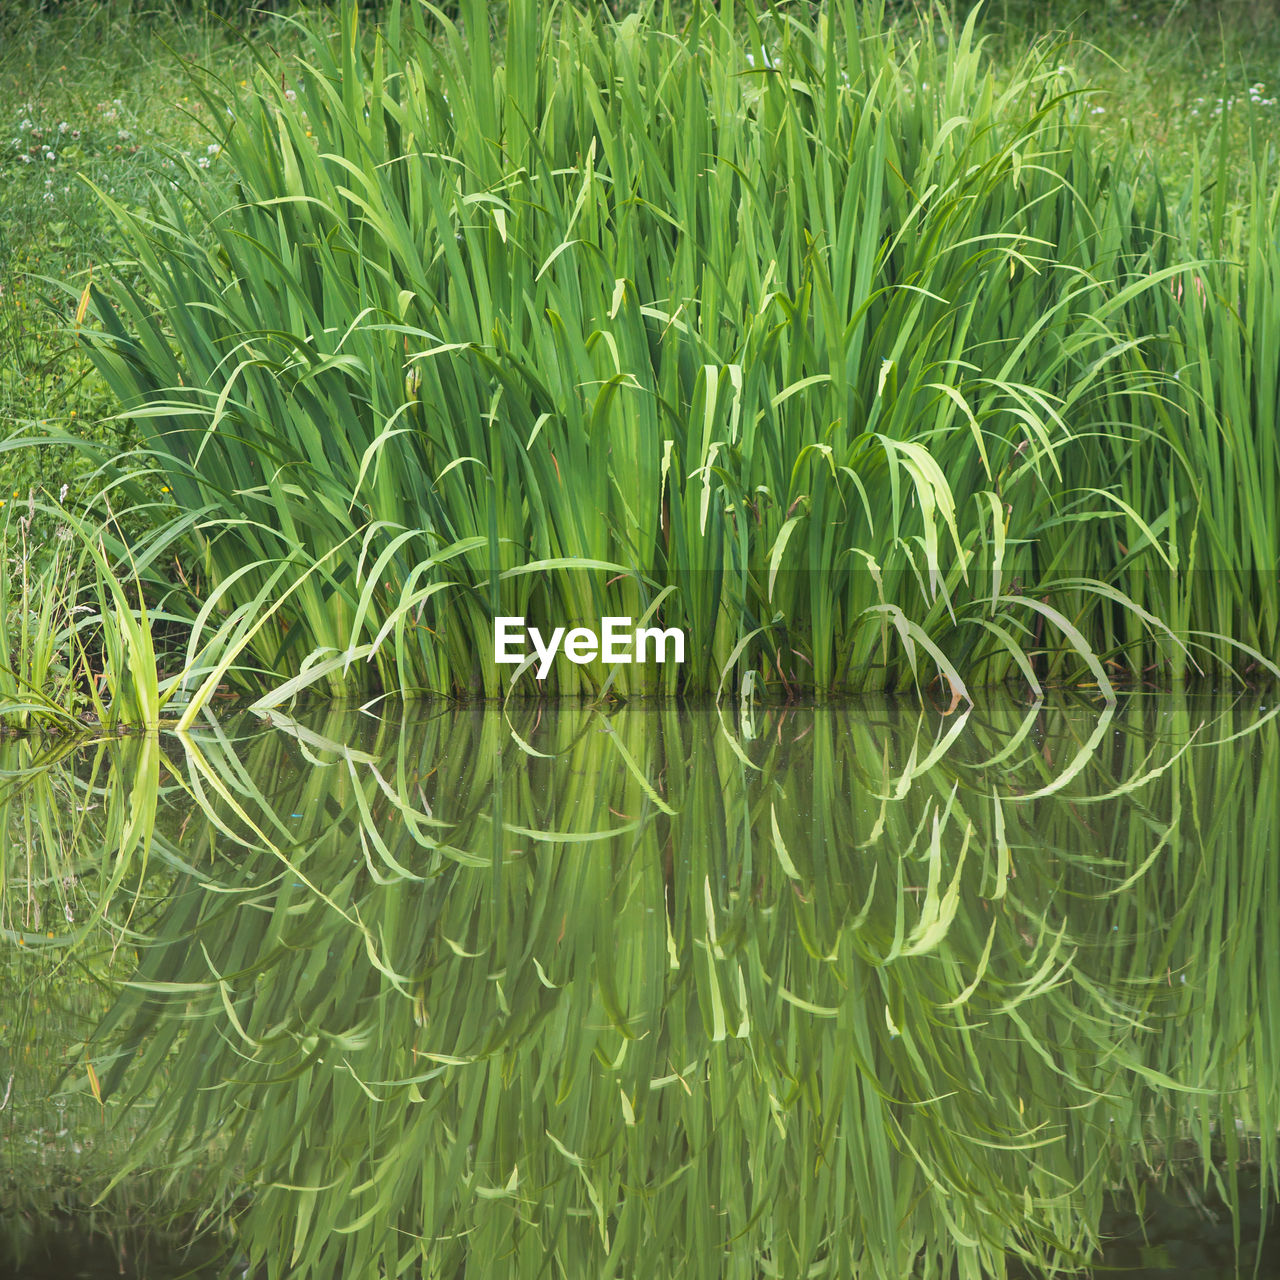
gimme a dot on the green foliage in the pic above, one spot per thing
(91, 95)
(792, 340)
(38, 627)
(865, 436)
(77, 632)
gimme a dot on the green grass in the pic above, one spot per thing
(91, 95)
(863, 352)
(568, 352)
(1158, 73)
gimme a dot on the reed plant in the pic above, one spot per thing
(804, 337)
(38, 605)
(89, 641)
(75, 629)
(1199, 468)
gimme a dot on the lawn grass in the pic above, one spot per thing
(91, 96)
(1159, 74)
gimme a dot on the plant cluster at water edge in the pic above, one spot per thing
(856, 363)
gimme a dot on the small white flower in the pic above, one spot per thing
(290, 96)
(63, 127)
(213, 148)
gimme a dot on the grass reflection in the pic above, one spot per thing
(865, 992)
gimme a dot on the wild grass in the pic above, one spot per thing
(1162, 77)
(807, 381)
(83, 650)
(807, 339)
(881, 992)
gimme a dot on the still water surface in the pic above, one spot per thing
(742, 992)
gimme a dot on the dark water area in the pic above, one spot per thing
(1174, 1239)
(742, 991)
(65, 1252)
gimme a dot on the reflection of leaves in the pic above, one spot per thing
(736, 1016)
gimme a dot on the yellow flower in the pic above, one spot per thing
(164, 489)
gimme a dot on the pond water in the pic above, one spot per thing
(747, 991)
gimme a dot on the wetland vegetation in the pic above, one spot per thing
(859, 354)
(871, 348)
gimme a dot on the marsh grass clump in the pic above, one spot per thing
(80, 647)
(820, 343)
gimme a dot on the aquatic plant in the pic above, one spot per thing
(78, 636)
(801, 337)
